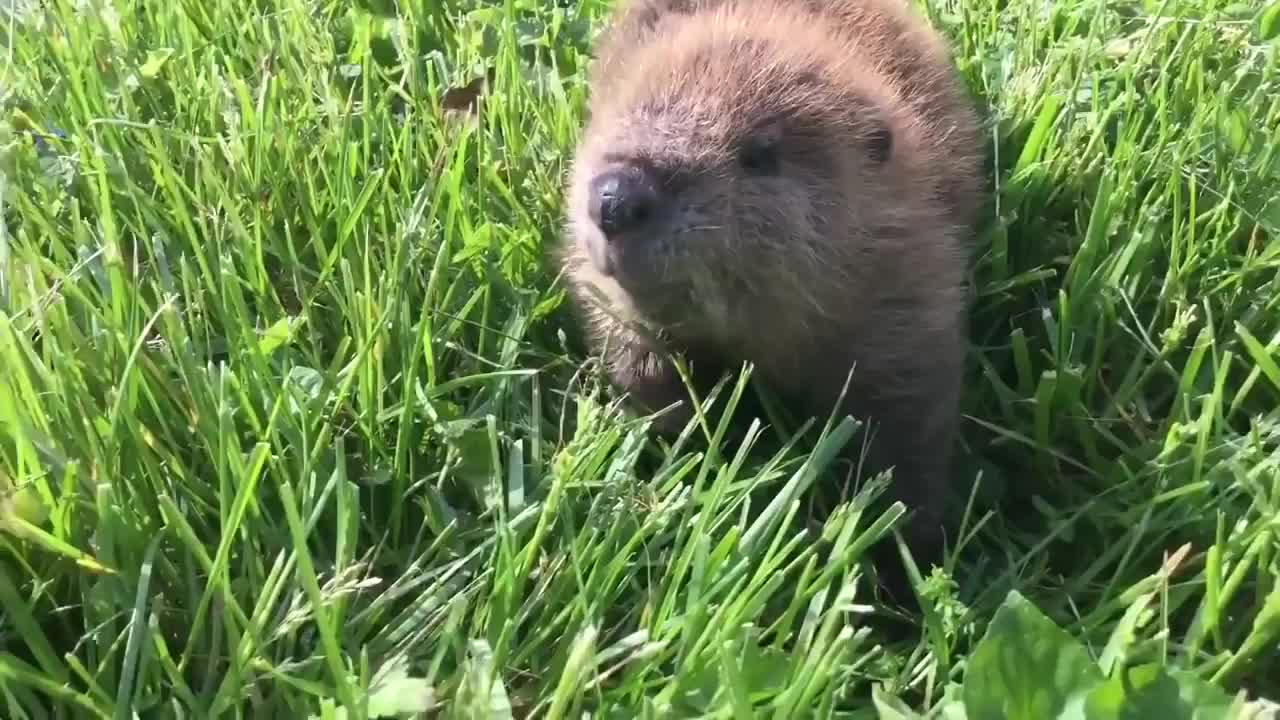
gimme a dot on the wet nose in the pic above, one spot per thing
(622, 199)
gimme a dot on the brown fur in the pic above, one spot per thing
(844, 259)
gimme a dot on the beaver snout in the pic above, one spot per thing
(622, 199)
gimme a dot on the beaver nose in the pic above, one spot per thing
(621, 200)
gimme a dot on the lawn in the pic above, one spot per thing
(296, 422)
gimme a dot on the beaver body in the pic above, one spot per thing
(790, 183)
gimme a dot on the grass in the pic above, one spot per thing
(295, 422)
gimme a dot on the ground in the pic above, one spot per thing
(296, 422)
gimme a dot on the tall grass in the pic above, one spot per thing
(295, 422)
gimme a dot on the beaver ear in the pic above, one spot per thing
(645, 14)
(758, 153)
(868, 122)
(770, 131)
(879, 141)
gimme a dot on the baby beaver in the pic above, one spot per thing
(789, 183)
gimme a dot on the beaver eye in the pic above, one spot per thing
(759, 156)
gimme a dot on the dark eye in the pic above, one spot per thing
(759, 156)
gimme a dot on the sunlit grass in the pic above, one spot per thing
(294, 415)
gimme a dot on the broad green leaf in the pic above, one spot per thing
(155, 61)
(889, 707)
(1149, 691)
(280, 333)
(1269, 22)
(764, 668)
(482, 693)
(1027, 668)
